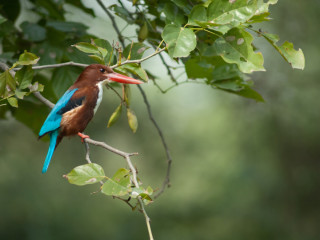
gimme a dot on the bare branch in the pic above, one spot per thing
(114, 24)
(57, 65)
(167, 67)
(138, 61)
(87, 152)
(166, 182)
(43, 99)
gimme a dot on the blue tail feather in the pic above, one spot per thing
(53, 140)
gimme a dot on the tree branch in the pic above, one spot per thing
(57, 65)
(138, 61)
(167, 67)
(134, 174)
(114, 24)
(166, 182)
(157, 51)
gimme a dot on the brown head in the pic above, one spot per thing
(98, 74)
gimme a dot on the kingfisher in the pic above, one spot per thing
(74, 110)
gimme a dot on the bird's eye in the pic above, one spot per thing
(102, 70)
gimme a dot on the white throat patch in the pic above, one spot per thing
(99, 85)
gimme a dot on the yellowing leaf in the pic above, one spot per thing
(132, 120)
(287, 51)
(13, 102)
(27, 58)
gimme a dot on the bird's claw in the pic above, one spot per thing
(83, 136)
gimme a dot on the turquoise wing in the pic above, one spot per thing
(54, 118)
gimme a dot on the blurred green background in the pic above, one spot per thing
(241, 170)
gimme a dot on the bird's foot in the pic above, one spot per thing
(83, 136)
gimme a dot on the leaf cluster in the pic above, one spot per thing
(213, 39)
(119, 185)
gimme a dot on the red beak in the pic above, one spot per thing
(117, 77)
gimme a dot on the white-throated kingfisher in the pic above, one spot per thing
(75, 109)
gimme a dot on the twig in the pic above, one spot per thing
(43, 99)
(166, 182)
(114, 24)
(134, 175)
(138, 61)
(127, 201)
(57, 65)
(87, 151)
(167, 66)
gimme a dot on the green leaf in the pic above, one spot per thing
(198, 68)
(73, 27)
(27, 58)
(136, 69)
(86, 47)
(48, 52)
(115, 116)
(143, 32)
(143, 193)
(136, 52)
(63, 78)
(80, 5)
(13, 102)
(183, 4)
(173, 14)
(2, 19)
(181, 41)
(239, 87)
(198, 14)
(9, 80)
(287, 51)
(146, 198)
(132, 120)
(3, 83)
(127, 94)
(19, 94)
(121, 12)
(233, 12)
(97, 59)
(33, 31)
(37, 110)
(250, 93)
(119, 184)
(235, 47)
(86, 174)
(24, 76)
(263, 7)
(103, 44)
(104, 48)
(260, 18)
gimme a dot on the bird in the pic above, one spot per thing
(75, 109)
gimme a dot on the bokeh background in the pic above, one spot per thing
(241, 169)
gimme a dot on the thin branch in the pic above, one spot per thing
(138, 61)
(166, 182)
(167, 66)
(134, 175)
(87, 152)
(114, 24)
(43, 99)
(57, 65)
